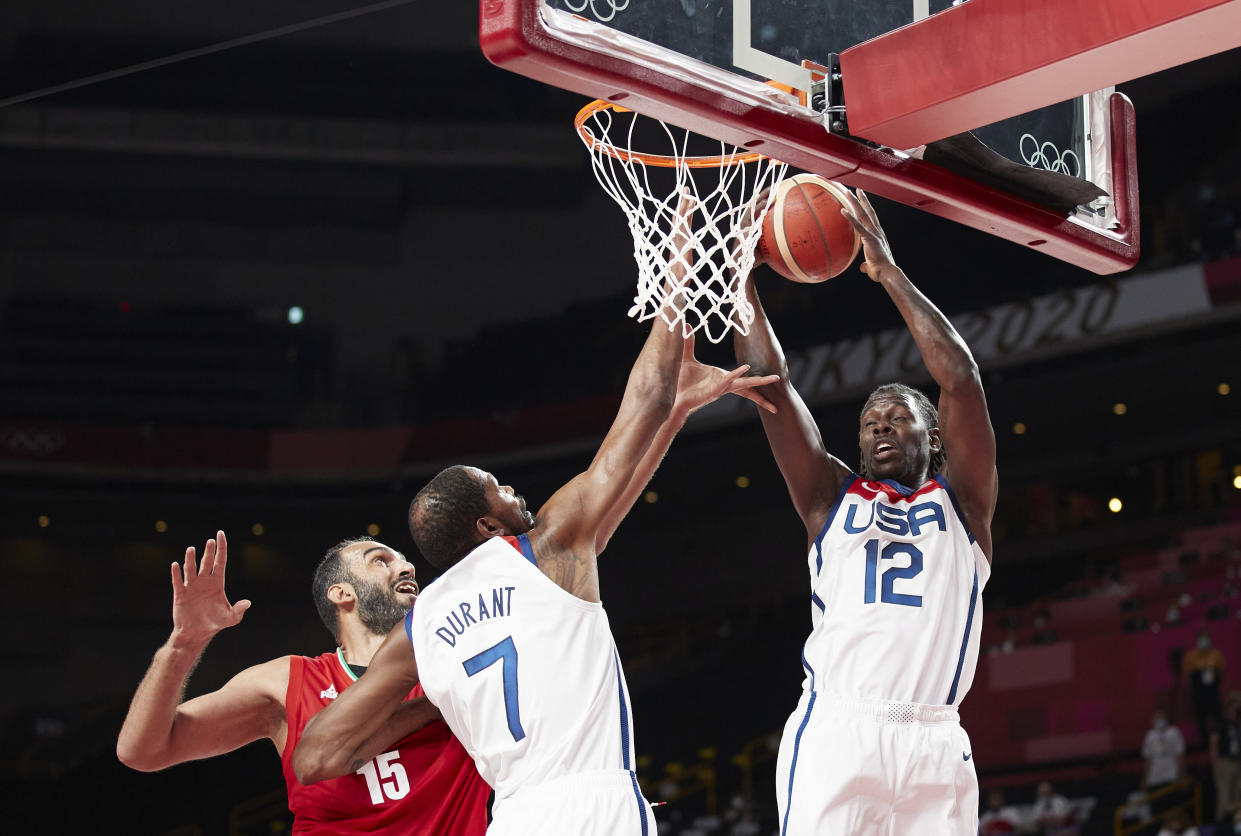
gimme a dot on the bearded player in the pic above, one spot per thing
(898, 556)
(423, 783)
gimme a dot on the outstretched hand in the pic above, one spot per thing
(876, 253)
(200, 608)
(699, 384)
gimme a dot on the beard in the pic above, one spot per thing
(379, 608)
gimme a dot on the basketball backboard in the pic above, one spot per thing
(706, 64)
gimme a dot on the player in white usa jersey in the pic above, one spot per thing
(898, 556)
(553, 734)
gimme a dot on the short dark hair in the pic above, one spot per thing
(331, 571)
(926, 410)
(442, 515)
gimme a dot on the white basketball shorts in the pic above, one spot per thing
(851, 767)
(606, 803)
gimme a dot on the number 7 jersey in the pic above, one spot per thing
(526, 674)
(896, 591)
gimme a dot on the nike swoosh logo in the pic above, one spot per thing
(965, 757)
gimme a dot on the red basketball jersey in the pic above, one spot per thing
(425, 785)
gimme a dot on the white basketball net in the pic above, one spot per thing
(724, 222)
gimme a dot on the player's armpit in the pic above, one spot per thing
(333, 741)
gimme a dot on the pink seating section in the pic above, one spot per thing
(1091, 692)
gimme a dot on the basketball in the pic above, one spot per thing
(805, 238)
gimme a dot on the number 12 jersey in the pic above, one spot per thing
(896, 592)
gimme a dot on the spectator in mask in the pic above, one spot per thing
(1164, 750)
(1204, 665)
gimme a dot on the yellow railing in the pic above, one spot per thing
(756, 751)
(1191, 804)
(683, 780)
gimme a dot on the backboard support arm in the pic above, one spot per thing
(986, 60)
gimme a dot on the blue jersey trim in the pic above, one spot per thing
(831, 516)
(409, 626)
(527, 550)
(805, 721)
(637, 794)
(901, 489)
(818, 602)
(624, 714)
(965, 640)
(943, 483)
(625, 739)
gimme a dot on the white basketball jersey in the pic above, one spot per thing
(527, 675)
(896, 590)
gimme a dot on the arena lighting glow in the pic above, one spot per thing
(1223, 389)
(1119, 409)
(44, 521)
(373, 530)
(650, 497)
(296, 315)
(1236, 482)
(743, 481)
(1019, 428)
(257, 529)
(161, 526)
(1115, 505)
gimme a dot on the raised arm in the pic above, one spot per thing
(368, 716)
(964, 422)
(160, 730)
(697, 385)
(813, 476)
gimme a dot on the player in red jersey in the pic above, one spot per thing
(425, 783)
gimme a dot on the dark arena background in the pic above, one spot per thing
(273, 289)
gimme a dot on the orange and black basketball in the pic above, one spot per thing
(805, 238)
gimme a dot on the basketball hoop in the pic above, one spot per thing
(724, 219)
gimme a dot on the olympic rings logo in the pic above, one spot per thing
(1050, 157)
(31, 441)
(604, 17)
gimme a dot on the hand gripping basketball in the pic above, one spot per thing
(876, 253)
